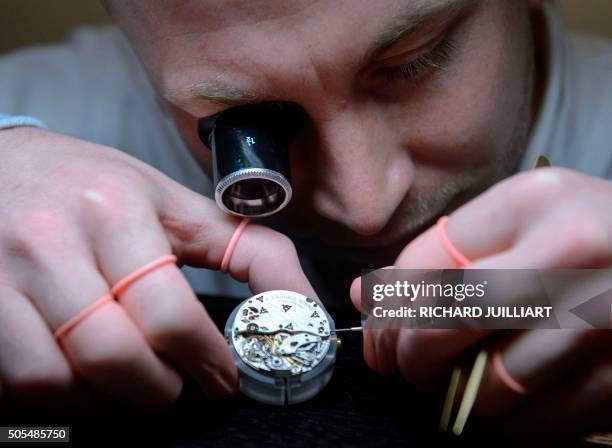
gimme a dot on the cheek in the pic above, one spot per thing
(187, 126)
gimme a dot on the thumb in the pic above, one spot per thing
(200, 233)
(355, 291)
(356, 294)
(377, 347)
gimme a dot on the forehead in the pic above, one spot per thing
(219, 14)
(191, 41)
(196, 17)
(216, 15)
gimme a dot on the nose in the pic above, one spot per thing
(362, 171)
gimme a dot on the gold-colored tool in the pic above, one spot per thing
(473, 382)
(600, 439)
(469, 396)
(540, 162)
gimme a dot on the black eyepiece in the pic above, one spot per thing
(250, 146)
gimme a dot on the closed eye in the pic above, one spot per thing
(436, 59)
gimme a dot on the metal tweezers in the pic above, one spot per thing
(473, 382)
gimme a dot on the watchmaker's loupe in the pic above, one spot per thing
(250, 149)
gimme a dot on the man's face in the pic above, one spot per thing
(414, 106)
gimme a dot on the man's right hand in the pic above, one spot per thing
(75, 218)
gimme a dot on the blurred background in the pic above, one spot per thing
(25, 22)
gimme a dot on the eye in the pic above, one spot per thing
(436, 59)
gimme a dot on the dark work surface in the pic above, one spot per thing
(357, 408)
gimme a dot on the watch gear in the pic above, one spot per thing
(284, 345)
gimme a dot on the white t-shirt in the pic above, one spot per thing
(91, 86)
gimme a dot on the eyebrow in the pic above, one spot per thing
(217, 92)
(214, 92)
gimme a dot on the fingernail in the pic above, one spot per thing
(229, 378)
(218, 388)
(218, 384)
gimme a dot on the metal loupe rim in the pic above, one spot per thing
(252, 173)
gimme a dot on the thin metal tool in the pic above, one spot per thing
(338, 330)
(471, 391)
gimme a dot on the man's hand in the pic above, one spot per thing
(77, 217)
(546, 218)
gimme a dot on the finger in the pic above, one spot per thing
(177, 326)
(579, 405)
(535, 361)
(425, 357)
(109, 352)
(355, 293)
(369, 351)
(487, 225)
(384, 345)
(495, 234)
(379, 345)
(105, 349)
(199, 233)
(163, 305)
(573, 246)
(32, 365)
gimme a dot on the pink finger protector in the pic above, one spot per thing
(505, 377)
(129, 279)
(65, 328)
(227, 256)
(460, 260)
